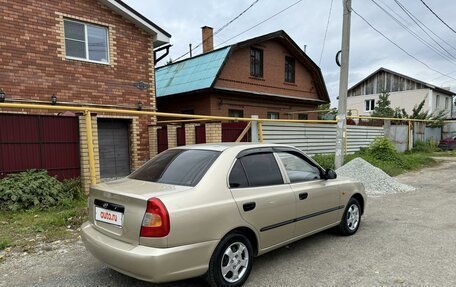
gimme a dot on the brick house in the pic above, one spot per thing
(268, 76)
(87, 53)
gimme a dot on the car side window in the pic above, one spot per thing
(298, 169)
(238, 179)
(261, 169)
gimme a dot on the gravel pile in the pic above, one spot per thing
(374, 179)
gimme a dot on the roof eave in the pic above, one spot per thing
(160, 36)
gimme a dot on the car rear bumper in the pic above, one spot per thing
(147, 263)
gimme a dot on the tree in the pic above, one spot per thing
(418, 113)
(382, 108)
(328, 112)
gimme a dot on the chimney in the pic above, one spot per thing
(208, 39)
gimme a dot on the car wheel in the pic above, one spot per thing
(231, 262)
(351, 219)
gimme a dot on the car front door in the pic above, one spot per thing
(318, 200)
(263, 199)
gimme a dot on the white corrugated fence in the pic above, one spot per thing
(318, 138)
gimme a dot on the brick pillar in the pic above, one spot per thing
(134, 143)
(190, 135)
(84, 152)
(153, 142)
(172, 136)
(213, 132)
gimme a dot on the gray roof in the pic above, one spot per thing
(381, 69)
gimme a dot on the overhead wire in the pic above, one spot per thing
(399, 47)
(414, 34)
(326, 32)
(221, 28)
(418, 22)
(438, 17)
(411, 24)
(258, 24)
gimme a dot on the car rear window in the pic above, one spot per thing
(177, 166)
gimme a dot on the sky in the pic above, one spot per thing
(306, 23)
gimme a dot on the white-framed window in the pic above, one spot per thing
(273, 115)
(437, 101)
(447, 102)
(370, 105)
(84, 41)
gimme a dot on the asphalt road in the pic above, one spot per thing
(406, 239)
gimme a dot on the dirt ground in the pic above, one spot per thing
(405, 239)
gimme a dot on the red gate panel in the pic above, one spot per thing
(200, 134)
(162, 139)
(180, 133)
(231, 131)
(39, 142)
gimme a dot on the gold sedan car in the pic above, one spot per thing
(210, 209)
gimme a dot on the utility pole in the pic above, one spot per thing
(343, 86)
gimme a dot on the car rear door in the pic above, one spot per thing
(318, 200)
(263, 199)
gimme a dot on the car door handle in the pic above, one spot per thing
(249, 206)
(303, 196)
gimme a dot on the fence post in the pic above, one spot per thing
(172, 136)
(93, 178)
(410, 136)
(254, 129)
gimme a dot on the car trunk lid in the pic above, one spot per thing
(117, 208)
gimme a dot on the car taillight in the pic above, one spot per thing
(156, 219)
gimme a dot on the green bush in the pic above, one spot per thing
(425, 146)
(325, 160)
(35, 189)
(382, 149)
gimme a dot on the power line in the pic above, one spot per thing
(326, 32)
(402, 49)
(414, 34)
(411, 16)
(437, 16)
(411, 24)
(221, 28)
(258, 24)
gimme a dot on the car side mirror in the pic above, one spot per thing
(330, 174)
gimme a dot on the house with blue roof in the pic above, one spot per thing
(268, 76)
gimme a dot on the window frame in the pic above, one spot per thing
(253, 62)
(86, 42)
(371, 106)
(235, 110)
(238, 158)
(269, 114)
(305, 159)
(283, 171)
(290, 70)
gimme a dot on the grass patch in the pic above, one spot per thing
(22, 229)
(404, 162)
(447, 153)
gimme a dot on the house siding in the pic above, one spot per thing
(34, 67)
(405, 100)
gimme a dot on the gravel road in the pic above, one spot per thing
(406, 239)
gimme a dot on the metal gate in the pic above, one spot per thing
(114, 148)
(39, 142)
(231, 131)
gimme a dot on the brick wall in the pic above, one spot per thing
(34, 67)
(218, 104)
(236, 73)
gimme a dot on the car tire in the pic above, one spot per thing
(231, 262)
(351, 219)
